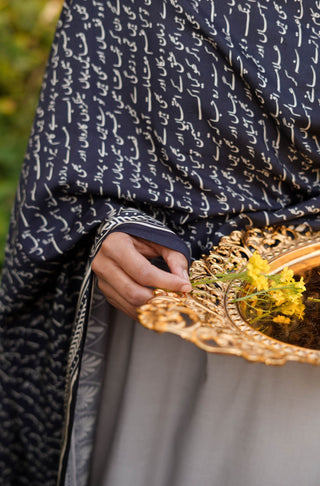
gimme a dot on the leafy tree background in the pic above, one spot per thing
(27, 29)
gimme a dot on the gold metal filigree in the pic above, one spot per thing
(210, 318)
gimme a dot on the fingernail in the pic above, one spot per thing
(185, 275)
(186, 288)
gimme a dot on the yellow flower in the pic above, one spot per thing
(257, 264)
(267, 297)
(256, 268)
(260, 282)
(286, 276)
(300, 311)
(278, 297)
(300, 286)
(281, 319)
(293, 308)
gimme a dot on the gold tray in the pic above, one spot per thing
(212, 321)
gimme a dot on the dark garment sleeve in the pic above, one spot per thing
(137, 223)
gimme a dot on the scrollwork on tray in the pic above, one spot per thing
(209, 317)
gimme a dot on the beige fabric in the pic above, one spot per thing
(172, 415)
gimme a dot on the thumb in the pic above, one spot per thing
(178, 265)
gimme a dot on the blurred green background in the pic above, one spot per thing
(26, 31)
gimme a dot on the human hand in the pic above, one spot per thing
(125, 273)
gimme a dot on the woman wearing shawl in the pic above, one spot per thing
(161, 127)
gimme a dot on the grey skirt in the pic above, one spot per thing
(154, 410)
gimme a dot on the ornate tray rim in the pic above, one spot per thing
(211, 320)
